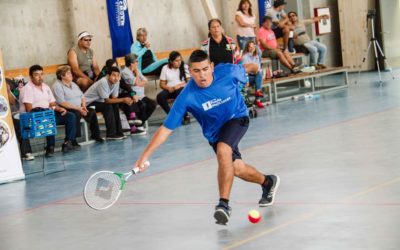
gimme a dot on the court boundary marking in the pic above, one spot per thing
(311, 214)
(191, 164)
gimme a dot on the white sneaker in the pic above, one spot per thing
(28, 157)
(135, 122)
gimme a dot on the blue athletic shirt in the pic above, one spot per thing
(212, 106)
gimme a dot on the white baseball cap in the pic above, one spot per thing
(84, 34)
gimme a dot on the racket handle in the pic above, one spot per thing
(136, 170)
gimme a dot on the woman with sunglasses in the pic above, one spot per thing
(317, 49)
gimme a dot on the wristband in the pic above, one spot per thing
(133, 93)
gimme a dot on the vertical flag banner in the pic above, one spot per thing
(10, 160)
(263, 5)
(120, 27)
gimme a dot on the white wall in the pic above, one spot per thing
(390, 15)
(43, 31)
(34, 32)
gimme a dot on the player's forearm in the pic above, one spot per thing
(159, 137)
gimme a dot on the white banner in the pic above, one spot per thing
(10, 161)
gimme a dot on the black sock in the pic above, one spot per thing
(266, 182)
(224, 200)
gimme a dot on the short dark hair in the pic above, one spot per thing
(61, 71)
(214, 20)
(112, 69)
(35, 68)
(291, 12)
(278, 3)
(130, 59)
(198, 56)
(266, 18)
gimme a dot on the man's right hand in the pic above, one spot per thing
(83, 111)
(171, 90)
(142, 164)
(128, 100)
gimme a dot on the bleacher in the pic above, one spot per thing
(277, 89)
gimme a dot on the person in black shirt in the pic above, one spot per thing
(220, 48)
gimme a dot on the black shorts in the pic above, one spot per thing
(278, 32)
(231, 133)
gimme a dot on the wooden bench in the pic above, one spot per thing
(301, 77)
(12, 73)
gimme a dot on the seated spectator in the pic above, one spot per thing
(82, 61)
(125, 90)
(280, 22)
(103, 95)
(250, 55)
(269, 46)
(173, 79)
(219, 47)
(24, 144)
(69, 96)
(245, 24)
(317, 49)
(37, 96)
(147, 60)
(143, 106)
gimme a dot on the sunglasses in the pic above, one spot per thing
(87, 40)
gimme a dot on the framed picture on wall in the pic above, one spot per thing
(324, 25)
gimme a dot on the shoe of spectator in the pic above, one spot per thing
(259, 104)
(295, 70)
(49, 151)
(115, 137)
(98, 139)
(259, 93)
(28, 157)
(137, 131)
(135, 122)
(67, 146)
(75, 145)
(322, 66)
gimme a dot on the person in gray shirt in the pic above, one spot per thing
(103, 95)
(280, 22)
(144, 106)
(70, 96)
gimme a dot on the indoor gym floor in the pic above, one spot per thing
(337, 156)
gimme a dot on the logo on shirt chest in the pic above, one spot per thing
(214, 103)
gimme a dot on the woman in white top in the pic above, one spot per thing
(173, 79)
(245, 23)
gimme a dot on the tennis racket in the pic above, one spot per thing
(103, 188)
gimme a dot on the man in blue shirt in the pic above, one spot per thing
(213, 97)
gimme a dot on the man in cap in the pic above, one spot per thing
(83, 62)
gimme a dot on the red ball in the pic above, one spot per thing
(254, 216)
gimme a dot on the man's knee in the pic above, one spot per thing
(84, 83)
(285, 30)
(223, 150)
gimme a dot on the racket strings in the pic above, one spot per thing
(102, 190)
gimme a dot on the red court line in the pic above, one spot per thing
(281, 203)
(191, 164)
